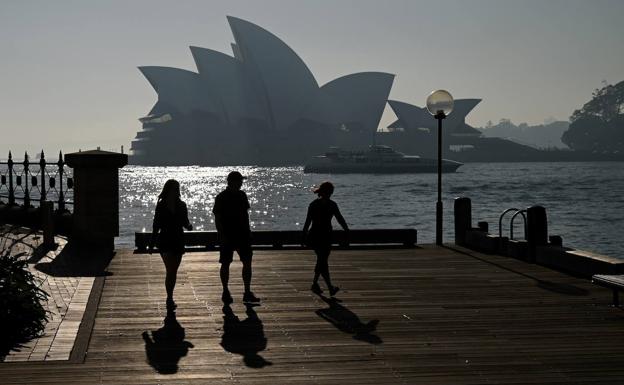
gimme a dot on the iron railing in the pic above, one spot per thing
(31, 183)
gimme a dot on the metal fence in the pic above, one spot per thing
(31, 183)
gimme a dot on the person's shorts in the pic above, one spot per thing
(226, 253)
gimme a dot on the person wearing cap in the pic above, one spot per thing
(320, 214)
(232, 221)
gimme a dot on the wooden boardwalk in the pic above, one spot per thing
(406, 316)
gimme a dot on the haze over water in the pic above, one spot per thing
(582, 200)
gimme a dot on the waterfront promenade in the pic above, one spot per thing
(426, 315)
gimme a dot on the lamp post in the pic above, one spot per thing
(439, 104)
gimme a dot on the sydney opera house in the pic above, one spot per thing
(262, 105)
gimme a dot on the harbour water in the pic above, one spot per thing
(584, 201)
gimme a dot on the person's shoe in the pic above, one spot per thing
(316, 289)
(171, 305)
(333, 290)
(226, 298)
(249, 297)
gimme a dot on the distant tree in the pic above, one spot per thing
(599, 124)
(506, 127)
(538, 136)
(549, 120)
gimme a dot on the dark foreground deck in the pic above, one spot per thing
(406, 316)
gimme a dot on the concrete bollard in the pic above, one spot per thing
(537, 229)
(555, 240)
(537, 226)
(463, 219)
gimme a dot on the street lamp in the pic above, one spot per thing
(439, 104)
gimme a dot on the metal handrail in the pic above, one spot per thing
(521, 212)
(500, 220)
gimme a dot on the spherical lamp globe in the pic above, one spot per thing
(440, 102)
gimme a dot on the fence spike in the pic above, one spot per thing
(42, 187)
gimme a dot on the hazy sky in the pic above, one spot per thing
(69, 76)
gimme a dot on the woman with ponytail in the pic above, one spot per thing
(319, 237)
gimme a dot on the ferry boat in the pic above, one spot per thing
(378, 159)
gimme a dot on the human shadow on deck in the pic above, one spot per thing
(166, 346)
(244, 337)
(348, 322)
(555, 287)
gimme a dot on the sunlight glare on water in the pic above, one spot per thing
(583, 200)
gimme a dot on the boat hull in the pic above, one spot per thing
(329, 167)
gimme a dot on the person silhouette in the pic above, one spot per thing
(232, 221)
(170, 220)
(320, 214)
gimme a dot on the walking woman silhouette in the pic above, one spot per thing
(320, 214)
(170, 220)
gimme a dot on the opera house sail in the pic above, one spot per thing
(261, 105)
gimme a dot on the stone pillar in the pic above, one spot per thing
(463, 219)
(96, 197)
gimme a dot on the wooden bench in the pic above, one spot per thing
(613, 282)
(292, 238)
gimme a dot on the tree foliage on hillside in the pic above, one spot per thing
(547, 135)
(599, 124)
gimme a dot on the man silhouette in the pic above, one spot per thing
(232, 222)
